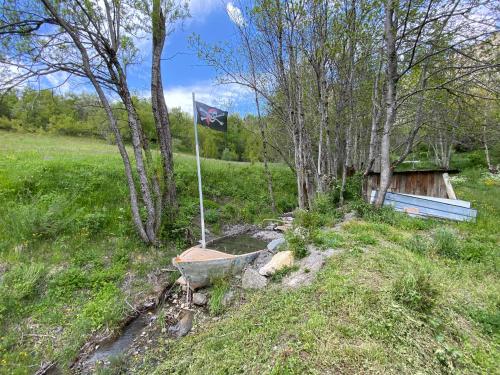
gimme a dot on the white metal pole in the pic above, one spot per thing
(202, 216)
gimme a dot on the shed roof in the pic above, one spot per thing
(417, 171)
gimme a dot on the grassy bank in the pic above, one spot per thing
(406, 296)
(70, 262)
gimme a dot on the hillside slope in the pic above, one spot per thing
(71, 265)
(405, 296)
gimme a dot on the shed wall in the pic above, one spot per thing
(419, 183)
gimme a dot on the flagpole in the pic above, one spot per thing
(202, 216)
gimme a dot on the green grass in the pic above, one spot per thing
(282, 273)
(70, 261)
(356, 318)
(219, 289)
(406, 296)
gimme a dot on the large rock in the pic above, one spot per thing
(184, 324)
(278, 261)
(274, 244)
(200, 299)
(263, 258)
(253, 280)
(348, 217)
(267, 235)
(308, 268)
(228, 298)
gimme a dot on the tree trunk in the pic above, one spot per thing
(264, 154)
(329, 162)
(390, 102)
(487, 152)
(349, 136)
(148, 179)
(138, 145)
(323, 127)
(376, 117)
(160, 111)
(136, 217)
(336, 150)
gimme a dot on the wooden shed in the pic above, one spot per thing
(429, 183)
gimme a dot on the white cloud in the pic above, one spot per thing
(9, 76)
(235, 14)
(227, 97)
(200, 9)
(59, 80)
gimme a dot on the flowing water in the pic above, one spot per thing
(122, 343)
(237, 244)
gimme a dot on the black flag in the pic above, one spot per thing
(211, 117)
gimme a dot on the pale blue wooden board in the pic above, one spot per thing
(454, 202)
(428, 207)
(426, 203)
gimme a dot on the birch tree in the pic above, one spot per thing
(94, 41)
(415, 35)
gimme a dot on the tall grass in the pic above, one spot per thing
(405, 296)
(70, 260)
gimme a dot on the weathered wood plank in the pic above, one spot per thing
(423, 206)
(449, 189)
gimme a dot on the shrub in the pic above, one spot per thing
(68, 281)
(416, 291)
(477, 158)
(9, 124)
(309, 220)
(211, 216)
(117, 365)
(323, 204)
(352, 189)
(229, 155)
(52, 217)
(230, 212)
(388, 215)
(21, 281)
(93, 222)
(297, 242)
(488, 320)
(474, 250)
(446, 244)
(106, 307)
(369, 212)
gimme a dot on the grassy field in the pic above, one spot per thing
(70, 262)
(407, 296)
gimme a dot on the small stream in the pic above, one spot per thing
(121, 344)
(236, 244)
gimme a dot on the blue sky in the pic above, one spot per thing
(183, 72)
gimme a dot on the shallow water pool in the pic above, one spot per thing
(238, 244)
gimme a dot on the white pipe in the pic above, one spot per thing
(202, 216)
